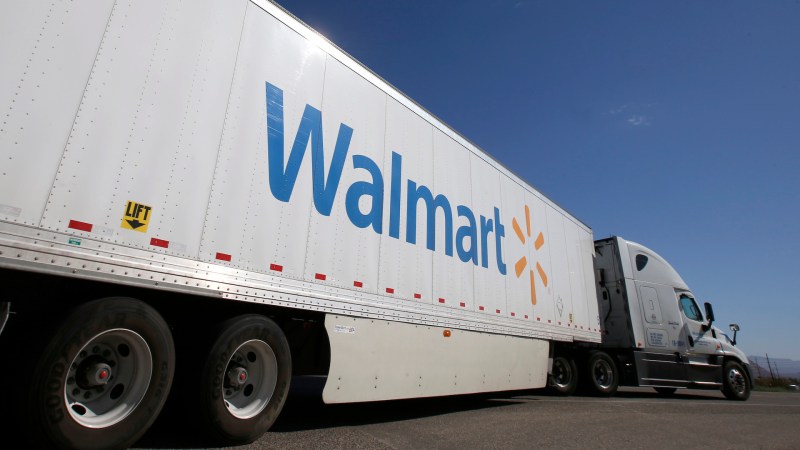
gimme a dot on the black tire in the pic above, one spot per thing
(601, 375)
(256, 345)
(102, 378)
(666, 391)
(564, 377)
(735, 384)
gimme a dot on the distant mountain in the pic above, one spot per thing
(787, 368)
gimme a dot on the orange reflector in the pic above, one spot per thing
(446, 333)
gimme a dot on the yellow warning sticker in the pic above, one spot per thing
(137, 217)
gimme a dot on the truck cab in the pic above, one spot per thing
(654, 327)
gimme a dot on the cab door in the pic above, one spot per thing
(661, 361)
(702, 352)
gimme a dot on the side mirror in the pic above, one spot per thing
(709, 316)
(734, 328)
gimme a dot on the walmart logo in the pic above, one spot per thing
(477, 239)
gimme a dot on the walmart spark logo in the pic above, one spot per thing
(522, 263)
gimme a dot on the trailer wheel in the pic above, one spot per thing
(103, 377)
(245, 379)
(602, 376)
(564, 377)
(735, 384)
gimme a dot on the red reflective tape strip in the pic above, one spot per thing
(223, 257)
(417, 295)
(513, 314)
(559, 323)
(159, 242)
(358, 284)
(462, 304)
(82, 226)
(497, 311)
(549, 321)
(320, 276)
(539, 319)
(390, 290)
(526, 316)
(276, 267)
(480, 308)
(441, 300)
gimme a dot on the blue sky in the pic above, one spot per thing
(674, 124)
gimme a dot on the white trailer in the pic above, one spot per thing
(211, 192)
(181, 165)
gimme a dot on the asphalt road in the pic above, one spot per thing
(635, 418)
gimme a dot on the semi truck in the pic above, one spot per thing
(201, 200)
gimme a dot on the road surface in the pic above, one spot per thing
(635, 418)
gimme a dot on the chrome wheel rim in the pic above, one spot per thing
(736, 380)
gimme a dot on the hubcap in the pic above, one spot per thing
(603, 374)
(93, 372)
(737, 380)
(108, 378)
(250, 379)
(237, 376)
(562, 375)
